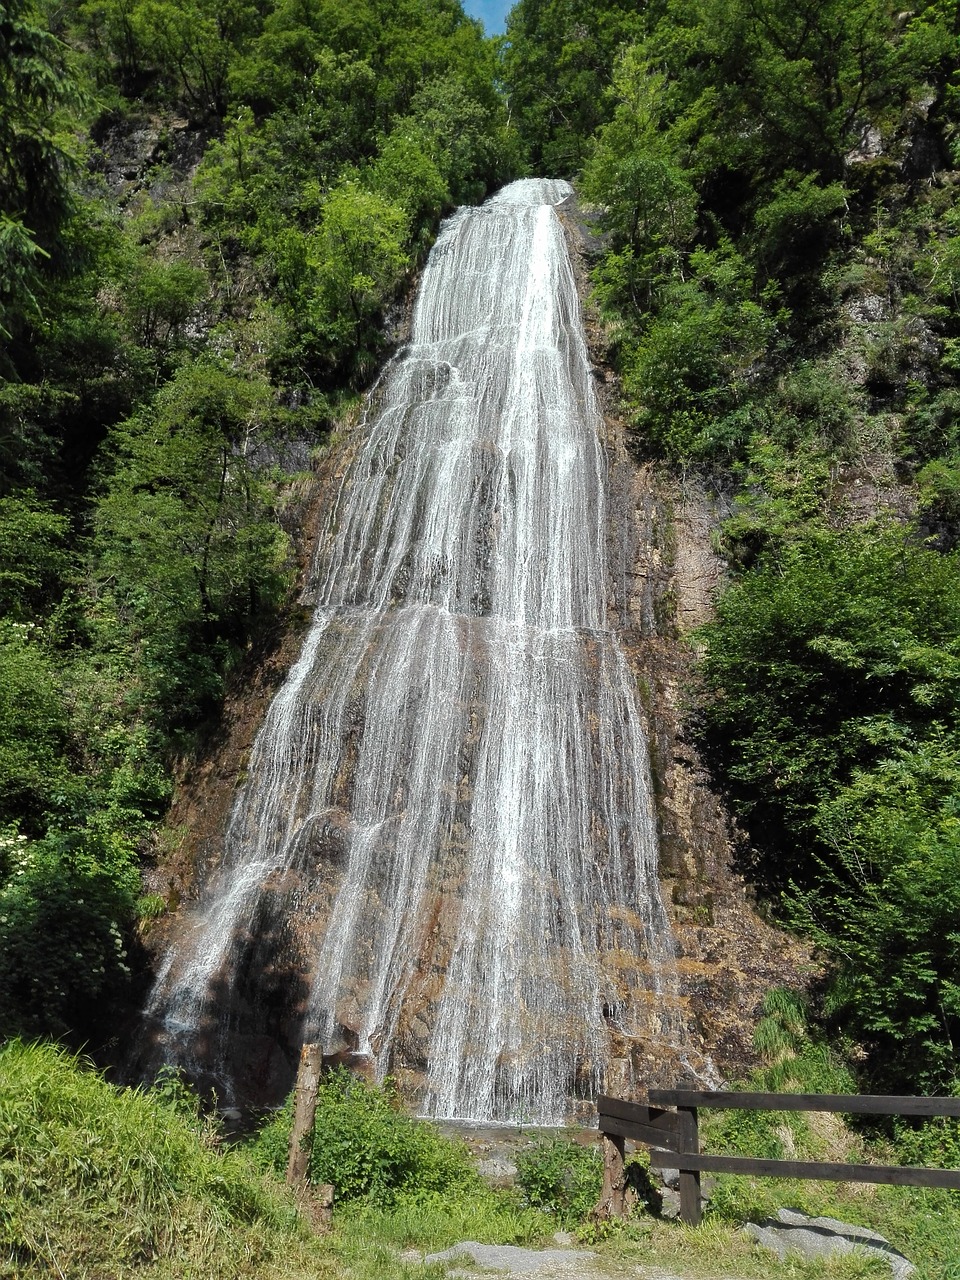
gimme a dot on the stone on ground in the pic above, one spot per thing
(514, 1260)
(824, 1238)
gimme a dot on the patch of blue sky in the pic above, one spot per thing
(492, 13)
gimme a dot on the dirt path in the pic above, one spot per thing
(508, 1262)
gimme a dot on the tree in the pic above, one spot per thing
(66, 902)
(836, 651)
(696, 360)
(36, 156)
(336, 280)
(886, 915)
(557, 62)
(32, 555)
(634, 170)
(187, 554)
(184, 48)
(35, 776)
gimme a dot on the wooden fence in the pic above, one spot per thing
(674, 1141)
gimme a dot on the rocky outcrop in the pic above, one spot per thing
(663, 573)
(666, 573)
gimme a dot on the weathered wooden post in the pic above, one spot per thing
(317, 1202)
(613, 1196)
(304, 1111)
(689, 1142)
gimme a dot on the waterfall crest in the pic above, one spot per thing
(450, 794)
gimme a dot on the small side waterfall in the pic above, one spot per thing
(447, 827)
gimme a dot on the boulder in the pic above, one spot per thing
(816, 1238)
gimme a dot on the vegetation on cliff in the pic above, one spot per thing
(209, 212)
(209, 215)
(778, 183)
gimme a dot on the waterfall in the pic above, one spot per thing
(450, 795)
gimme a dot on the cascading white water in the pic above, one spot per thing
(452, 787)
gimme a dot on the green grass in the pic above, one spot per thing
(923, 1224)
(104, 1182)
(101, 1183)
(434, 1221)
(721, 1249)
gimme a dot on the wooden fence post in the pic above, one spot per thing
(613, 1197)
(304, 1110)
(689, 1142)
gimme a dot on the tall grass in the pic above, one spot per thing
(109, 1183)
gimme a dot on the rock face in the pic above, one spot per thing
(817, 1238)
(565, 664)
(666, 574)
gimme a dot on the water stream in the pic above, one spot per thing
(447, 828)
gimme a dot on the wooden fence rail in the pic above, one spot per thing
(674, 1141)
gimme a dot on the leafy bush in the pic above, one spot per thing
(32, 555)
(33, 727)
(189, 555)
(65, 904)
(562, 1177)
(696, 361)
(886, 914)
(367, 1148)
(824, 658)
(833, 667)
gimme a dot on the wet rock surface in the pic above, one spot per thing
(663, 573)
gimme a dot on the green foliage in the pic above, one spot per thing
(368, 1149)
(826, 657)
(102, 1181)
(184, 49)
(354, 133)
(36, 156)
(65, 902)
(939, 490)
(796, 1057)
(886, 914)
(832, 668)
(692, 365)
(336, 281)
(160, 298)
(32, 555)
(34, 772)
(770, 87)
(188, 556)
(635, 172)
(733, 129)
(558, 60)
(798, 218)
(561, 1177)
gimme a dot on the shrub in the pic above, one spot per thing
(561, 1177)
(367, 1148)
(64, 906)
